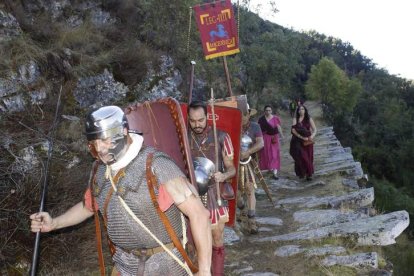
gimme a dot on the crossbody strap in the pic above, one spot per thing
(92, 181)
(152, 182)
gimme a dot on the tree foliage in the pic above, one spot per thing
(329, 84)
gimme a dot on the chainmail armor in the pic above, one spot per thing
(123, 231)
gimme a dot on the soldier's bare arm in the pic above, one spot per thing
(185, 198)
(43, 222)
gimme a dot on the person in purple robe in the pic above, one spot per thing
(301, 146)
(270, 154)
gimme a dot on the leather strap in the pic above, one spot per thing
(92, 180)
(98, 232)
(152, 182)
(149, 251)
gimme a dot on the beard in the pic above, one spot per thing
(198, 130)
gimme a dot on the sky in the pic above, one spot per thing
(381, 30)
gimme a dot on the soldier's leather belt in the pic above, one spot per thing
(150, 251)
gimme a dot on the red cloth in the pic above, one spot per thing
(88, 200)
(217, 261)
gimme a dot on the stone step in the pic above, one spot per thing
(319, 218)
(359, 261)
(377, 230)
(360, 198)
(291, 250)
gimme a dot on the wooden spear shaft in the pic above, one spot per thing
(35, 256)
(219, 202)
(226, 70)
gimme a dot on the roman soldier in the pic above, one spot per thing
(133, 186)
(251, 142)
(203, 148)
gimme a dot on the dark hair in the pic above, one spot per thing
(306, 117)
(266, 106)
(197, 104)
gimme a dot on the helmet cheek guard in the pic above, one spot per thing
(107, 122)
(92, 151)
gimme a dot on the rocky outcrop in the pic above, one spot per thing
(159, 84)
(9, 27)
(22, 88)
(99, 90)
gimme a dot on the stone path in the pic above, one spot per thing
(323, 227)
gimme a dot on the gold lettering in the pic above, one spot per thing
(222, 17)
(217, 19)
(223, 42)
(211, 20)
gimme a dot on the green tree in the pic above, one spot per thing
(329, 84)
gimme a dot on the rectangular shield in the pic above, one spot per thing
(228, 119)
(162, 124)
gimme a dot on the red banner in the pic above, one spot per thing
(218, 30)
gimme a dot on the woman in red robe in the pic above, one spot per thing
(301, 145)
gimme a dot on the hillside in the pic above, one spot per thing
(93, 53)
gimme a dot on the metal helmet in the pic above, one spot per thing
(107, 122)
(245, 142)
(203, 169)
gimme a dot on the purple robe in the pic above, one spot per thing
(302, 155)
(270, 153)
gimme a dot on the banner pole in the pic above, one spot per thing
(190, 90)
(226, 70)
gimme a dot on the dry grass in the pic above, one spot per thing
(130, 60)
(20, 196)
(20, 51)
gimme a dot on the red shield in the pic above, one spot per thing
(229, 120)
(162, 124)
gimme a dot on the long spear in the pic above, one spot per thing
(219, 202)
(190, 91)
(35, 256)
